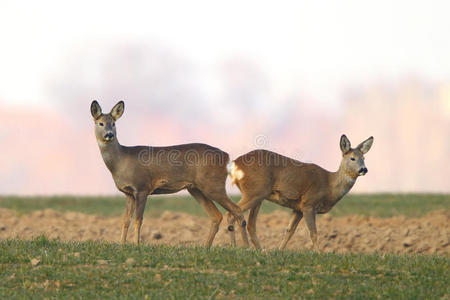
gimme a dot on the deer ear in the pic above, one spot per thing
(96, 110)
(345, 144)
(364, 147)
(117, 110)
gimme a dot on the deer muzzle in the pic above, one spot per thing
(109, 136)
(363, 171)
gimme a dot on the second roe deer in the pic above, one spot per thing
(305, 188)
(141, 171)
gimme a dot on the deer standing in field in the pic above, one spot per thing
(141, 171)
(305, 188)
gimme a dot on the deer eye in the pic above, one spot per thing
(352, 158)
(101, 124)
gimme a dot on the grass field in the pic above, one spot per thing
(43, 268)
(379, 205)
(51, 269)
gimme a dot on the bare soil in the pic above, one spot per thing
(358, 234)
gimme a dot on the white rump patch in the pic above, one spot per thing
(234, 172)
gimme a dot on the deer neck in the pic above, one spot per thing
(341, 183)
(111, 154)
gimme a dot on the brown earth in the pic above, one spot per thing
(428, 234)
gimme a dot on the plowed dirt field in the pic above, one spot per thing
(427, 235)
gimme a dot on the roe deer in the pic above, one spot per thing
(305, 188)
(141, 171)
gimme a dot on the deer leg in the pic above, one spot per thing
(129, 210)
(231, 221)
(141, 200)
(222, 198)
(246, 203)
(310, 218)
(250, 203)
(251, 227)
(295, 219)
(212, 211)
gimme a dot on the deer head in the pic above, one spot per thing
(352, 163)
(105, 124)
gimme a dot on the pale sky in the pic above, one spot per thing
(321, 45)
(298, 73)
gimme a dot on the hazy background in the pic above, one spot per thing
(286, 76)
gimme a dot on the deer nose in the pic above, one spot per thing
(109, 136)
(363, 171)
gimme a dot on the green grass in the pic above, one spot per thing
(381, 205)
(96, 269)
(76, 270)
(389, 205)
